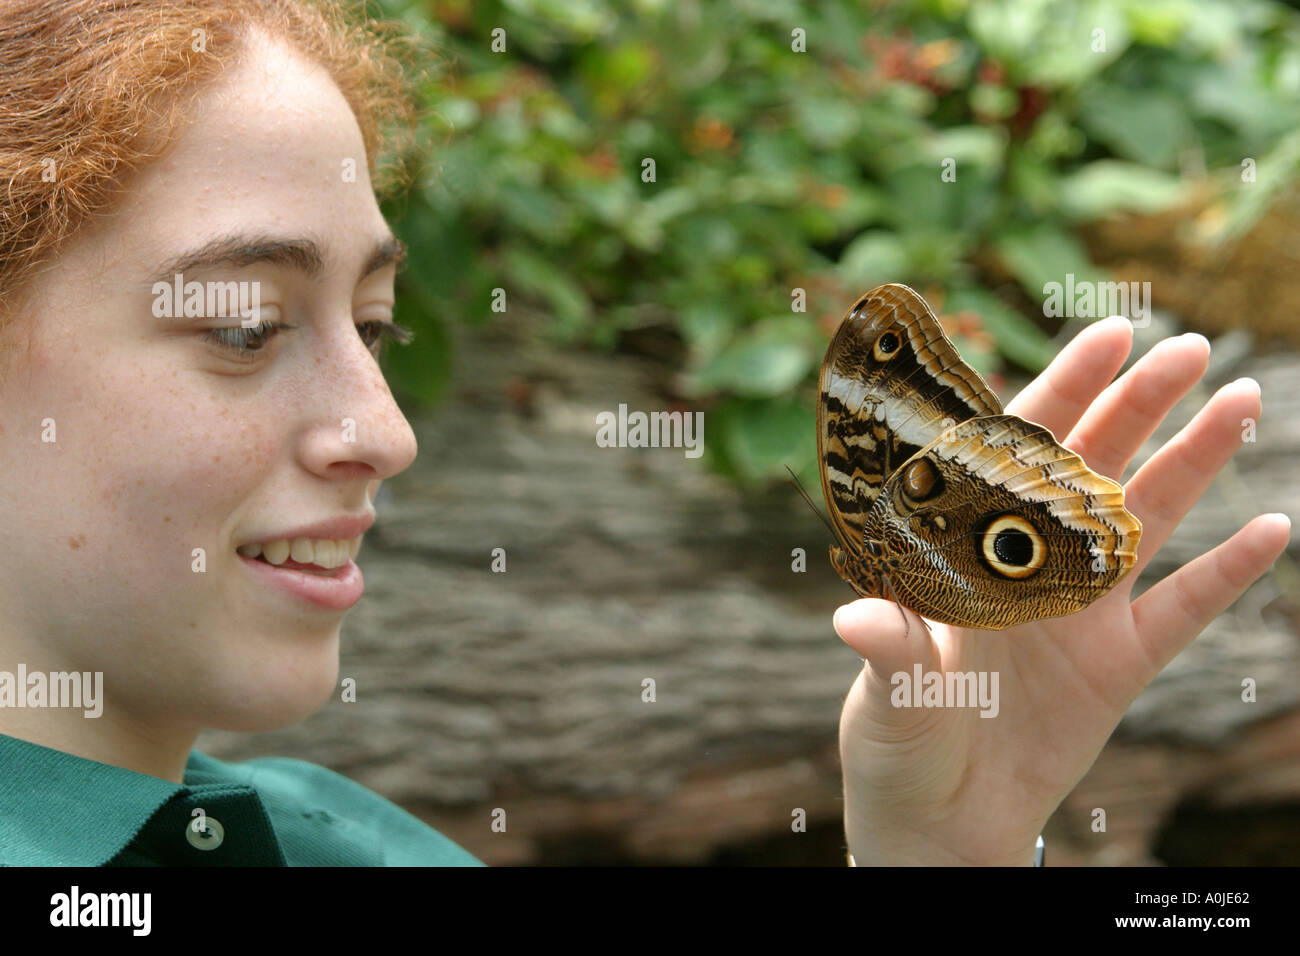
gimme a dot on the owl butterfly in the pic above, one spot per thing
(941, 501)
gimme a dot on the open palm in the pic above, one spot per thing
(945, 785)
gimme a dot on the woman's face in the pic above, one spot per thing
(165, 443)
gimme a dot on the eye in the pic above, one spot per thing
(246, 343)
(377, 332)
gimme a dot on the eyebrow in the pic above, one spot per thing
(301, 255)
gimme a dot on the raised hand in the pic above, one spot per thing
(946, 786)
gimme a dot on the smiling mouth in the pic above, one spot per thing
(335, 589)
(304, 554)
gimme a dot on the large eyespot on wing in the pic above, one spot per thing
(1019, 529)
(890, 383)
(1009, 545)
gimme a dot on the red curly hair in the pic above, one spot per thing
(91, 89)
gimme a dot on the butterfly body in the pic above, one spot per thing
(939, 499)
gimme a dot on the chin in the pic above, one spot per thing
(278, 697)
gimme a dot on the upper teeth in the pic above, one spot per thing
(323, 553)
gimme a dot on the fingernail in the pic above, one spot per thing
(1278, 514)
(1246, 378)
(1196, 335)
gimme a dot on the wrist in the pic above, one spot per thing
(905, 851)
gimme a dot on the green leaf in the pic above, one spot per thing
(1110, 185)
(756, 439)
(421, 370)
(1034, 181)
(1044, 253)
(770, 358)
(1049, 42)
(536, 211)
(938, 254)
(1161, 23)
(1146, 126)
(827, 123)
(532, 274)
(969, 145)
(920, 199)
(998, 102)
(873, 258)
(707, 327)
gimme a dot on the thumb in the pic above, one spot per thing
(889, 641)
(891, 645)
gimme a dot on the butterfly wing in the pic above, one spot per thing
(891, 382)
(994, 524)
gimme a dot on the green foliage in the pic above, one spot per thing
(777, 171)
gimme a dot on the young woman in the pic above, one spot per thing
(184, 492)
(159, 461)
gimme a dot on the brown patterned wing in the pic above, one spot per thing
(994, 524)
(891, 382)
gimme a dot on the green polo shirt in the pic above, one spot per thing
(57, 809)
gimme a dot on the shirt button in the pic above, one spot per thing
(209, 840)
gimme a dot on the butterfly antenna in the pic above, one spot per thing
(794, 479)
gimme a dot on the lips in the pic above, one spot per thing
(335, 590)
(270, 558)
(333, 529)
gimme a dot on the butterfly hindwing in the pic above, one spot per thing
(994, 523)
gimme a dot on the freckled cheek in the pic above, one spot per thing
(125, 472)
(181, 480)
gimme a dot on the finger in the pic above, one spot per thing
(1165, 488)
(876, 630)
(1129, 410)
(892, 645)
(1171, 613)
(1060, 395)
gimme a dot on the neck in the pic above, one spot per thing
(113, 738)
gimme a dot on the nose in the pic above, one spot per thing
(358, 430)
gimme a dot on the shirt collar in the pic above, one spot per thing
(63, 810)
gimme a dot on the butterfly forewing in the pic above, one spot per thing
(890, 383)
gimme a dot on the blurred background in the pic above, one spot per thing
(669, 206)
